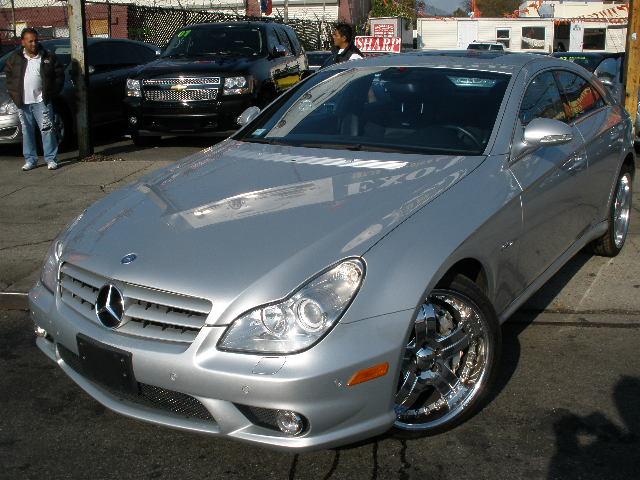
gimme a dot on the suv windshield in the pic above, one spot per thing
(399, 109)
(216, 40)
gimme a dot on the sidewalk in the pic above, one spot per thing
(34, 206)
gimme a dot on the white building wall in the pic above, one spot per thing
(437, 34)
(444, 33)
(567, 8)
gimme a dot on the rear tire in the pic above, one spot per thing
(610, 244)
(450, 361)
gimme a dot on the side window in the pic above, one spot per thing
(284, 40)
(609, 67)
(100, 57)
(272, 39)
(293, 40)
(542, 100)
(143, 54)
(580, 97)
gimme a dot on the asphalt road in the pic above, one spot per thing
(567, 404)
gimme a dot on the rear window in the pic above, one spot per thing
(400, 109)
(318, 58)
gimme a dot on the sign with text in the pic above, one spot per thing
(387, 30)
(379, 44)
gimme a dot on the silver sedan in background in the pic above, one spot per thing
(341, 266)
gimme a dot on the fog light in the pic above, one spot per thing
(289, 422)
(133, 120)
(40, 332)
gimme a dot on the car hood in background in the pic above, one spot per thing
(243, 224)
(205, 65)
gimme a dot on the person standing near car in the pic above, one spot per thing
(34, 79)
(344, 49)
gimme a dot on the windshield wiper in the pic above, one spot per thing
(339, 146)
(267, 141)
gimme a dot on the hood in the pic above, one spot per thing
(222, 64)
(243, 224)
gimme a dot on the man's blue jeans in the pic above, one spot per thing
(38, 115)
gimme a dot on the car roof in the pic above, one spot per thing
(494, 61)
(94, 40)
(588, 54)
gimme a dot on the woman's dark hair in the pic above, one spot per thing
(345, 30)
(28, 30)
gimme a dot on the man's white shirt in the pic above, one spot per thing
(32, 79)
(354, 56)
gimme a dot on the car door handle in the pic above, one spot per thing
(575, 164)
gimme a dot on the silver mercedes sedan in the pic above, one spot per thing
(341, 266)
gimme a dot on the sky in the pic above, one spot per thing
(446, 5)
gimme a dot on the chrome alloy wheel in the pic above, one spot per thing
(621, 210)
(444, 364)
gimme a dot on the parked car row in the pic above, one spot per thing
(111, 62)
(207, 75)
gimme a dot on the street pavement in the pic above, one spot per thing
(566, 406)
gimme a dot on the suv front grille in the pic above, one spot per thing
(189, 95)
(148, 313)
(158, 398)
(167, 82)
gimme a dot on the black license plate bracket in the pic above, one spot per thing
(106, 365)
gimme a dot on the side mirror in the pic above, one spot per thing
(91, 69)
(606, 80)
(279, 51)
(248, 116)
(542, 132)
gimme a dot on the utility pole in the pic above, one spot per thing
(13, 18)
(286, 11)
(79, 72)
(632, 67)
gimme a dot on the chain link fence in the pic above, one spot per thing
(137, 22)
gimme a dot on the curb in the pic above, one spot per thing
(14, 301)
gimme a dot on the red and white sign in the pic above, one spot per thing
(387, 30)
(379, 44)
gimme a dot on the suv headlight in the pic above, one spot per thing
(302, 319)
(8, 108)
(133, 88)
(236, 86)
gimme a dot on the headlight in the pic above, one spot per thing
(133, 88)
(8, 108)
(302, 319)
(49, 274)
(236, 86)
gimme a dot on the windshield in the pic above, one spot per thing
(399, 109)
(588, 62)
(478, 46)
(62, 51)
(215, 40)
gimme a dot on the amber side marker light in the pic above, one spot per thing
(367, 374)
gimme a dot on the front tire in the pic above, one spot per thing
(450, 361)
(610, 244)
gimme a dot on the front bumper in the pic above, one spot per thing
(312, 383)
(188, 118)
(10, 131)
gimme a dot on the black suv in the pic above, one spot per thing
(210, 73)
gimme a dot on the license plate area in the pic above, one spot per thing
(106, 365)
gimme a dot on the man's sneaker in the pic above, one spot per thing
(52, 165)
(28, 166)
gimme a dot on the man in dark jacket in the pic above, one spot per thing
(34, 79)
(344, 49)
